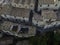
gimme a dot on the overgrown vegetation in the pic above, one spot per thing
(49, 38)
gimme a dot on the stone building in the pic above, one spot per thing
(50, 4)
(49, 14)
(23, 3)
(18, 30)
(46, 1)
(20, 12)
(9, 9)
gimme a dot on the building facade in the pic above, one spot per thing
(27, 4)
